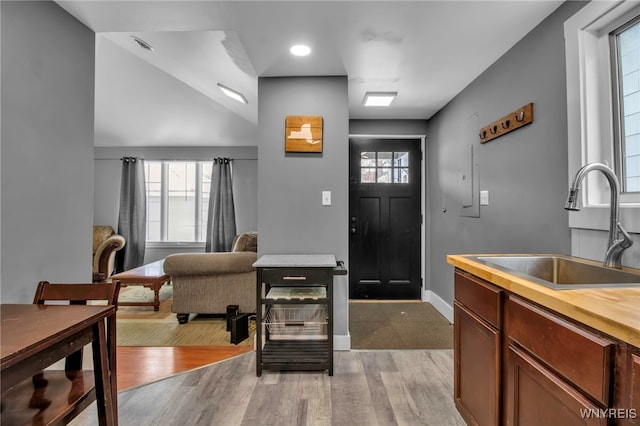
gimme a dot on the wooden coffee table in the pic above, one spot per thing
(151, 276)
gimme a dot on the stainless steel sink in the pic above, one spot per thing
(561, 273)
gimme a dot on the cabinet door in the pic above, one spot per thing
(535, 396)
(633, 410)
(627, 398)
(477, 368)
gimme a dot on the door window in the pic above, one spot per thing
(384, 167)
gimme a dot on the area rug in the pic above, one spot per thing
(141, 326)
(398, 325)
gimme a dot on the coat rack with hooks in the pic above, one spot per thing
(510, 122)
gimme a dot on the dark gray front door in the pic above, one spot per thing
(384, 218)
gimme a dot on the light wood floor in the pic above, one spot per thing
(380, 387)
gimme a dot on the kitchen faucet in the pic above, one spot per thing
(616, 246)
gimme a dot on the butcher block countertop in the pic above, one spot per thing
(613, 311)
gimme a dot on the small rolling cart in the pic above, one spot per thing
(294, 312)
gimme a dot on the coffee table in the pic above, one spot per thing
(151, 276)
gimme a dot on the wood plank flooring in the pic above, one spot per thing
(379, 387)
(139, 365)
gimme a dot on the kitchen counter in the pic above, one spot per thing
(613, 311)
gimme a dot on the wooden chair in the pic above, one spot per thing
(54, 397)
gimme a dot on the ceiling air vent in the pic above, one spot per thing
(143, 44)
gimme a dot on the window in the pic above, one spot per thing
(625, 43)
(603, 107)
(384, 167)
(177, 200)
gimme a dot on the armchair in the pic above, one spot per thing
(206, 283)
(105, 245)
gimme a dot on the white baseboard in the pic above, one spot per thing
(441, 306)
(342, 342)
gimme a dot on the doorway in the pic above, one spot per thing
(385, 218)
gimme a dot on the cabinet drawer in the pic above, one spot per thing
(576, 354)
(480, 297)
(297, 276)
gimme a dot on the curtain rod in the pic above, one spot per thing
(182, 159)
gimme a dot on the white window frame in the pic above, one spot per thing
(590, 116)
(164, 204)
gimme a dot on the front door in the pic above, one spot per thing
(384, 218)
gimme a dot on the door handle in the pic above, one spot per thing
(354, 231)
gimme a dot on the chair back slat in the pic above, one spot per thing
(77, 293)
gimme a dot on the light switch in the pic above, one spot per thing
(484, 198)
(326, 198)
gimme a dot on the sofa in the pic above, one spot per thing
(206, 283)
(106, 242)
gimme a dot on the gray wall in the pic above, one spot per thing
(388, 127)
(47, 148)
(107, 185)
(524, 171)
(291, 219)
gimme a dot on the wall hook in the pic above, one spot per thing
(510, 122)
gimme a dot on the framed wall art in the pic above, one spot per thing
(303, 133)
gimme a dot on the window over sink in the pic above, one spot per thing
(602, 45)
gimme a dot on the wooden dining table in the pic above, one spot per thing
(35, 336)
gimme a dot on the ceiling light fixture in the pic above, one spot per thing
(143, 44)
(379, 98)
(300, 50)
(233, 94)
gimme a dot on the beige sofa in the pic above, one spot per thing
(206, 283)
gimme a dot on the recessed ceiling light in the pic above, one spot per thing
(300, 50)
(233, 94)
(379, 98)
(143, 44)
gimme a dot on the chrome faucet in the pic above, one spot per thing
(616, 246)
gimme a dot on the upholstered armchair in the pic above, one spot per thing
(206, 283)
(105, 245)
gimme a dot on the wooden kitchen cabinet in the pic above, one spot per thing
(477, 348)
(582, 358)
(557, 373)
(536, 396)
(519, 363)
(627, 389)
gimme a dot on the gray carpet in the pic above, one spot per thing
(398, 325)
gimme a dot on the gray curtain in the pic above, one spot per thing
(221, 221)
(132, 220)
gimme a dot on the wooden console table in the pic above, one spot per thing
(151, 276)
(36, 336)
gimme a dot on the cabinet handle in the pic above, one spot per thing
(298, 278)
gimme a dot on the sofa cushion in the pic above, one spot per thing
(247, 241)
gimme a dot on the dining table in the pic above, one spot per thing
(33, 337)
